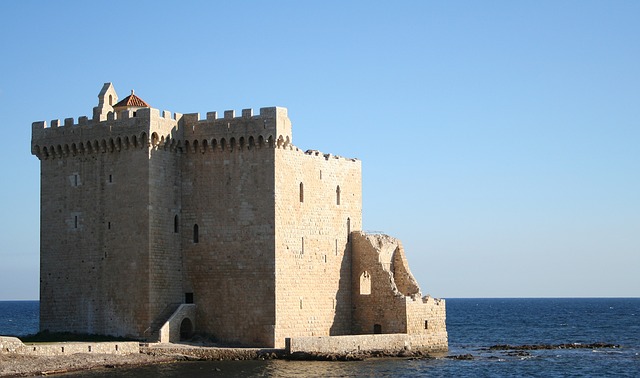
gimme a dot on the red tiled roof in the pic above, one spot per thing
(132, 100)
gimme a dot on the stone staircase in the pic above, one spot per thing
(152, 334)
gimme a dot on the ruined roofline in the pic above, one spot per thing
(402, 282)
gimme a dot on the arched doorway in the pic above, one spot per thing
(186, 329)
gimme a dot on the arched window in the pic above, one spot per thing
(195, 233)
(110, 100)
(175, 224)
(338, 195)
(301, 192)
(365, 283)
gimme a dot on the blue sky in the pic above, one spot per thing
(500, 140)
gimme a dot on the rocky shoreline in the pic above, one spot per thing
(20, 365)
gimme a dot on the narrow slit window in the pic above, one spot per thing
(108, 225)
(110, 178)
(195, 234)
(301, 192)
(75, 222)
(75, 180)
(175, 224)
(426, 324)
(338, 195)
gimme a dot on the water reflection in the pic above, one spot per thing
(271, 368)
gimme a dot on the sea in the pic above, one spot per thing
(474, 325)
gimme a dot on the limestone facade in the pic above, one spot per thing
(142, 211)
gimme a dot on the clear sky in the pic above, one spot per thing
(500, 140)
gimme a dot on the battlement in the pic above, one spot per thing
(148, 127)
(265, 113)
(84, 121)
(132, 122)
(270, 113)
(270, 122)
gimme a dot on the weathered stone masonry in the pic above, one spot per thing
(142, 211)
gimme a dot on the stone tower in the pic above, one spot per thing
(221, 223)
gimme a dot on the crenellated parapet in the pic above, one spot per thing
(122, 131)
(116, 127)
(270, 128)
(152, 129)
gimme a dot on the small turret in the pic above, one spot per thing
(131, 102)
(106, 98)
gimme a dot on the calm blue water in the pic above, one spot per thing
(19, 318)
(473, 325)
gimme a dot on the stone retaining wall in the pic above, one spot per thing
(211, 353)
(14, 345)
(10, 344)
(366, 343)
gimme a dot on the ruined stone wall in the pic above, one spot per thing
(228, 192)
(386, 296)
(402, 276)
(94, 226)
(313, 258)
(378, 305)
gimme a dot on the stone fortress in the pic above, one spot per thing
(157, 225)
